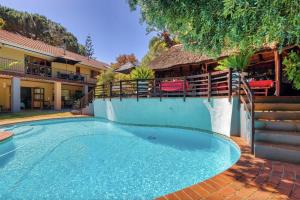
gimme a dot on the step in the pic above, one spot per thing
(277, 106)
(5, 135)
(283, 137)
(274, 99)
(277, 115)
(280, 152)
(278, 125)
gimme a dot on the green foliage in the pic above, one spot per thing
(1, 23)
(142, 72)
(213, 26)
(106, 77)
(89, 47)
(237, 62)
(292, 68)
(39, 27)
(157, 45)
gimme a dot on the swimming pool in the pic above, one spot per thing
(90, 158)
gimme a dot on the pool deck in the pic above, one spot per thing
(250, 178)
(55, 115)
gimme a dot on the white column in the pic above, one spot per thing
(85, 92)
(15, 94)
(57, 95)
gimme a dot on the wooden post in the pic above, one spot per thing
(121, 91)
(184, 88)
(278, 72)
(137, 90)
(103, 91)
(209, 86)
(239, 85)
(110, 90)
(229, 84)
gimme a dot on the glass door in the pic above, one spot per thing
(38, 97)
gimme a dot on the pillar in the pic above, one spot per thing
(15, 94)
(85, 92)
(278, 72)
(57, 95)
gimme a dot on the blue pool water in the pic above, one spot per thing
(94, 159)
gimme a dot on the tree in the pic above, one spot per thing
(1, 23)
(39, 27)
(89, 47)
(157, 45)
(123, 59)
(292, 68)
(211, 27)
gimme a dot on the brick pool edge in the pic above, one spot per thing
(249, 178)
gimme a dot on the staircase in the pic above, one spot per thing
(277, 128)
(83, 106)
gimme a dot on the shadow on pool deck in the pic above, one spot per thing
(250, 178)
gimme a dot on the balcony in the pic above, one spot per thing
(11, 67)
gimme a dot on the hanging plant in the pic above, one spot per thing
(292, 68)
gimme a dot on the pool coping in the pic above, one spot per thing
(250, 178)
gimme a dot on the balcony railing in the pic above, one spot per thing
(11, 65)
(208, 85)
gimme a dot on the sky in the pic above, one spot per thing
(114, 28)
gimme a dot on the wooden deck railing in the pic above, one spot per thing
(204, 85)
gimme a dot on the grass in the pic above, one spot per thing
(24, 114)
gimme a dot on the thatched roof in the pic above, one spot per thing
(176, 55)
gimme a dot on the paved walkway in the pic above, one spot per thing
(55, 115)
(250, 179)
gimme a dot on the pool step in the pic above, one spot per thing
(277, 106)
(5, 135)
(281, 152)
(277, 115)
(278, 125)
(272, 99)
(278, 137)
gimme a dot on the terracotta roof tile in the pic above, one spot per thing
(41, 47)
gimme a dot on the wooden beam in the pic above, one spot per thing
(278, 72)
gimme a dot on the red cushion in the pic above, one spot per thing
(262, 83)
(176, 85)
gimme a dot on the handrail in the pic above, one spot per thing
(244, 86)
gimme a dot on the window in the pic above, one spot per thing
(77, 70)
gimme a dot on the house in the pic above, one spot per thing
(35, 75)
(265, 64)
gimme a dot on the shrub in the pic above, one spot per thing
(237, 62)
(142, 72)
(292, 68)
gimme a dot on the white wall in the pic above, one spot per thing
(216, 115)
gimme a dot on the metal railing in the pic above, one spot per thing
(204, 85)
(247, 97)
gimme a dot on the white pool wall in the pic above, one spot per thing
(217, 115)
